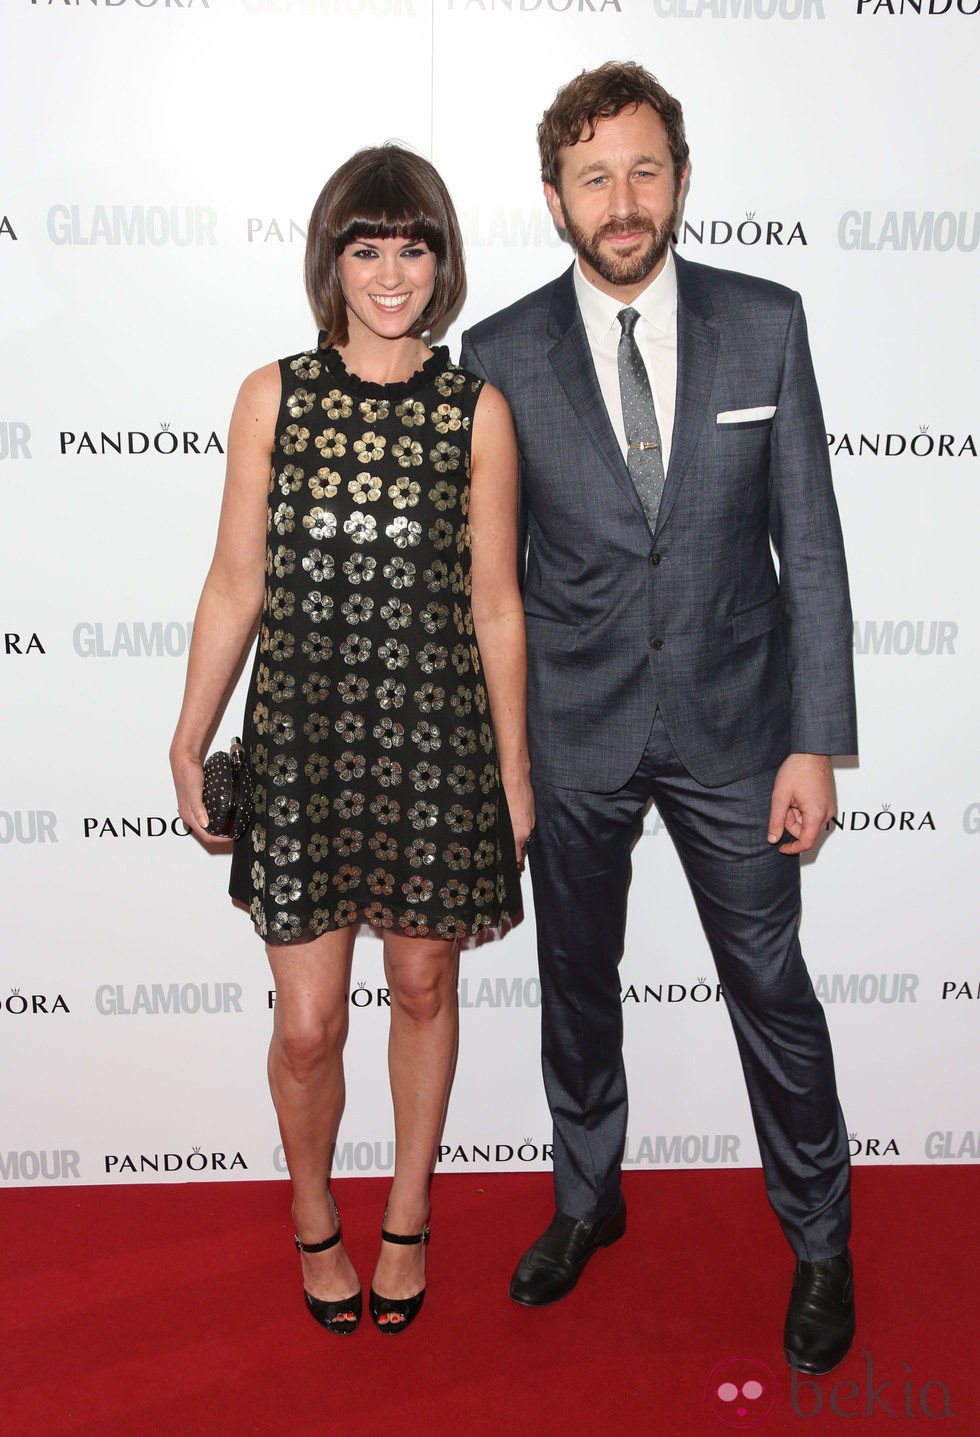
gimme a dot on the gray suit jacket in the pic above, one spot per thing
(746, 666)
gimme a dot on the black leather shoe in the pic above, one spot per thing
(550, 1269)
(820, 1319)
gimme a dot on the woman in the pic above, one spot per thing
(379, 557)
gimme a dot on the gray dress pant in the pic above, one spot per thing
(748, 899)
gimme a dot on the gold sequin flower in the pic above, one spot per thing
(365, 488)
(357, 608)
(337, 404)
(284, 519)
(405, 533)
(324, 484)
(374, 411)
(450, 382)
(282, 603)
(306, 366)
(443, 494)
(319, 566)
(411, 413)
(284, 561)
(321, 523)
(447, 418)
(407, 451)
(318, 606)
(331, 444)
(444, 456)
(360, 568)
(362, 528)
(404, 493)
(370, 447)
(294, 440)
(291, 479)
(300, 402)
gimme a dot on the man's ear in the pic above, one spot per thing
(554, 205)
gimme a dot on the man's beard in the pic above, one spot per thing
(624, 269)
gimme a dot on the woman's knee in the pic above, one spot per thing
(421, 985)
(306, 1039)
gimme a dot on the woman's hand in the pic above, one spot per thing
(520, 802)
(188, 775)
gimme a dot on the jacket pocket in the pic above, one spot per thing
(750, 623)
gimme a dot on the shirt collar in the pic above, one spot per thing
(656, 305)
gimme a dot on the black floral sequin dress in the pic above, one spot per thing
(377, 786)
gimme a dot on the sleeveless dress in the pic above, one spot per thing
(377, 786)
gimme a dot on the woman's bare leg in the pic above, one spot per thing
(306, 1075)
(422, 1046)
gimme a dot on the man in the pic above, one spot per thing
(669, 428)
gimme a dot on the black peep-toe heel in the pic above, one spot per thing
(405, 1308)
(338, 1317)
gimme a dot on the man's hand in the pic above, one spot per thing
(803, 799)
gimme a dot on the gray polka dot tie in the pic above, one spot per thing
(644, 457)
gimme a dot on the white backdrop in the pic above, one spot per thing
(161, 158)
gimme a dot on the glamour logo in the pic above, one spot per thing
(512, 227)
(169, 999)
(690, 1149)
(194, 1162)
(157, 639)
(526, 1151)
(867, 987)
(918, 7)
(156, 225)
(857, 820)
(165, 441)
(971, 818)
(15, 439)
(261, 231)
(18, 1003)
(28, 825)
(750, 231)
(580, 7)
(500, 993)
(896, 1396)
(872, 1147)
(925, 637)
(28, 644)
(921, 445)
(961, 988)
(6, 228)
(738, 9)
(940, 230)
(362, 1157)
(152, 826)
(371, 9)
(26, 1165)
(699, 992)
(953, 1146)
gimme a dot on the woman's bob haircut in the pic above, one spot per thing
(383, 192)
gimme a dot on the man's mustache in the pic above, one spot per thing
(629, 225)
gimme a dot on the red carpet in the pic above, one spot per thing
(178, 1310)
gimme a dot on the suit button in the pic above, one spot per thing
(657, 642)
(655, 559)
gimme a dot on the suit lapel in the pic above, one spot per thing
(571, 360)
(697, 354)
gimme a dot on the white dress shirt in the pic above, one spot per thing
(656, 337)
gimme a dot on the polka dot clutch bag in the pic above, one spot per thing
(228, 792)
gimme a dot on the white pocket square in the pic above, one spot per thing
(745, 416)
